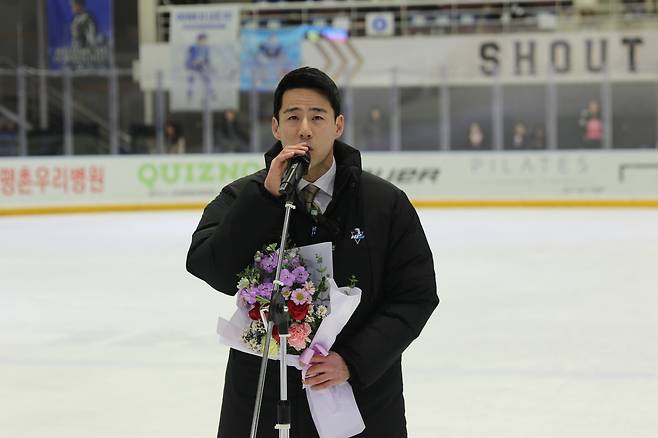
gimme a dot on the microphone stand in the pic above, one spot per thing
(278, 316)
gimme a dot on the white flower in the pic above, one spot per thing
(243, 283)
(255, 345)
(322, 311)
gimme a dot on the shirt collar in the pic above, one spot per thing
(325, 183)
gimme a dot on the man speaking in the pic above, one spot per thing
(377, 240)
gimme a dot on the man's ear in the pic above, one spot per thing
(275, 129)
(340, 125)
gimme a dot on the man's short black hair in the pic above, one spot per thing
(308, 77)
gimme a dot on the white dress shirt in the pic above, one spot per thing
(326, 185)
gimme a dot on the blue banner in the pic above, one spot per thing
(79, 33)
(268, 54)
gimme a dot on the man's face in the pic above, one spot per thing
(307, 116)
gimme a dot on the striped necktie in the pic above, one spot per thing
(308, 195)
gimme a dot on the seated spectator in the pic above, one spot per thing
(375, 131)
(8, 138)
(475, 137)
(519, 136)
(173, 138)
(231, 136)
(538, 138)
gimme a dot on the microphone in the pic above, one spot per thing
(297, 168)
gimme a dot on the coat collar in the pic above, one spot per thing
(348, 172)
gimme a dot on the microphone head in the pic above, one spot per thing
(305, 160)
(297, 169)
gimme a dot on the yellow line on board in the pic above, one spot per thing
(488, 203)
(543, 203)
(69, 209)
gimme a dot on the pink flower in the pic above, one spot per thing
(299, 335)
(309, 287)
(300, 296)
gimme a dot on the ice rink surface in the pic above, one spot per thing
(547, 327)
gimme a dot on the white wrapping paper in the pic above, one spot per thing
(334, 410)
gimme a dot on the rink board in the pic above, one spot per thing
(430, 179)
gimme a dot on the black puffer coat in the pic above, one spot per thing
(393, 265)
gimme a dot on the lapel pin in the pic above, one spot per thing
(358, 235)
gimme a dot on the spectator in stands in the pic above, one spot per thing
(475, 136)
(519, 136)
(375, 132)
(231, 134)
(538, 138)
(8, 137)
(174, 140)
(590, 121)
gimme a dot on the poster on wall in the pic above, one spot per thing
(79, 33)
(205, 49)
(267, 55)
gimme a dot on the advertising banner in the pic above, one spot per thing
(267, 55)
(79, 33)
(119, 181)
(431, 179)
(520, 176)
(205, 67)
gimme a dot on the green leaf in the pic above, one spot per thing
(262, 300)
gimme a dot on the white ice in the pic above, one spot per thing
(547, 327)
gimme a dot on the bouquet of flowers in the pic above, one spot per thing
(318, 310)
(307, 303)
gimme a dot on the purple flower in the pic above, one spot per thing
(268, 263)
(301, 275)
(248, 295)
(265, 290)
(295, 262)
(287, 277)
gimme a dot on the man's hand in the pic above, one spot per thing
(279, 164)
(327, 371)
